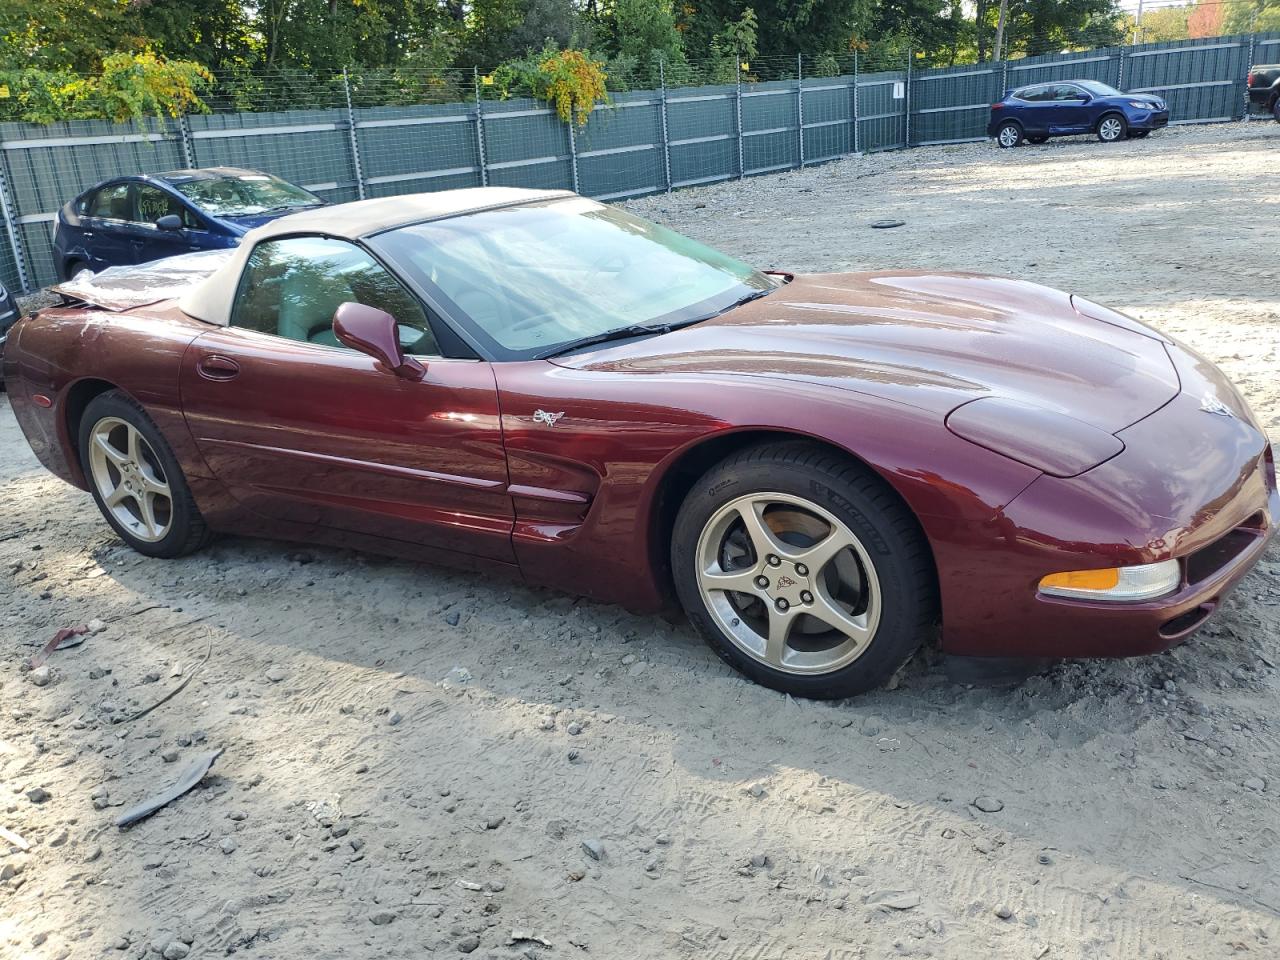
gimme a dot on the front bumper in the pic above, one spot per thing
(1154, 120)
(1192, 484)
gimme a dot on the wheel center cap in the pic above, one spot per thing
(787, 583)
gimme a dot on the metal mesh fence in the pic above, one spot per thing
(354, 134)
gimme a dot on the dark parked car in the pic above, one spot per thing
(136, 219)
(1063, 109)
(8, 316)
(819, 468)
(1264, 88)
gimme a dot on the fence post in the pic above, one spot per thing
(906, 102)
(737, 102)
(1249, 69)
(1120, 71)
(666, 136)
(351, 137)
(484, 165)
(573, 150)
(855, 101)
(800, 104)
(185, 141)
(8, 211)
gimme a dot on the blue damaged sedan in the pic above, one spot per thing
(1067, 108)
(136, 219)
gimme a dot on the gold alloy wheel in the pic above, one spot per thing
(788, 583)
(130, 480)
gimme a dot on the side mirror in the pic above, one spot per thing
(170, 221)
(374, 332)
(1084, 98)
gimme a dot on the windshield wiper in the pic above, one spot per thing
(641, 330)
(619, 333)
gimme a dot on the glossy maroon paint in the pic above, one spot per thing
(312, 442)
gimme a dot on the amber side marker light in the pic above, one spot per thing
(1143, 582)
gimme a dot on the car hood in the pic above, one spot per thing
(931, 340)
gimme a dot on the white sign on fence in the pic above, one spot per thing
(899, 89)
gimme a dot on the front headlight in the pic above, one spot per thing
(1143, 582)
(1139, 105)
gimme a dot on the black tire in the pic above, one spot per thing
(1037, 140)
(187, 530)
(899, 553)
(1009, 134)
(1109, 132)
(1275, 109)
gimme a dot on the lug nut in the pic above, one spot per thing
(772, 560)
(782, 606)
(802, 569)
(806, 597)
(762, 582)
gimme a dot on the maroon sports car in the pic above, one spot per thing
(823, 469)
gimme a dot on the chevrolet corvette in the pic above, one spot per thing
(824, 471)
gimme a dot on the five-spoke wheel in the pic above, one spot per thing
(130, 479)
(136, 480)
(789, 581)
(803, 570)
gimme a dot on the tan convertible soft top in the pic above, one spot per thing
(211, 300)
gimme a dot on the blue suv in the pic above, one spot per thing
(1065, 108)
(136, 219)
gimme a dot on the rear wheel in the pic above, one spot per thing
(1009, 135)
(803, 571)
(135, 479)
(1112, 127)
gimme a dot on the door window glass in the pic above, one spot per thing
(1034, 94)
(152, 203)
(292, 287)
(1065, 92)
(111, 203)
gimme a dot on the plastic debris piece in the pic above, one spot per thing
(64, 638)
(190, 777)
(13, 839)
(887, 224)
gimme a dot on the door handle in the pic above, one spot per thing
(214, 367)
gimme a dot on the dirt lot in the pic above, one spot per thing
(372, 801)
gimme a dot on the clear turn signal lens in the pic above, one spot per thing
(1143, 582)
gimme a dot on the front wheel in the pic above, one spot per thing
(803, 571)
(1009, 135)
(1112, 127)
(135, 479)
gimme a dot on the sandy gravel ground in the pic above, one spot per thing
(414, 759)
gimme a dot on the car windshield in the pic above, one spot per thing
(528, 281)
(244, 195)
(1098, 89)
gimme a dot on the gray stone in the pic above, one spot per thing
(1256, 783)
(468, 944)
(574, 728)
(1004, 911)
(394, 719)
(227, 845)
(37, 794)
(40, 676)
(275, 673)
(593, 848)
(175, 950)
(989, 804)
(169, 756)
(381, 918)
